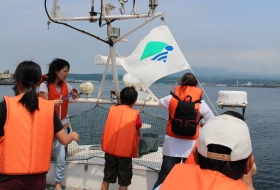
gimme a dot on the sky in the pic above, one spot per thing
(239, 36)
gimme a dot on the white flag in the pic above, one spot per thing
(156, 56)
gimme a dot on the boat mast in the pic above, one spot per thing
(106, 8)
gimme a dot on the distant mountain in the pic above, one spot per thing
(224, 73)
(208, 77)
(203, 72)
(204, 75)
(92, 77)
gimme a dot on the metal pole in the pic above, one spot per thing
(104, 76)
(113, 58)
(146, 22)
(109, 17)
(114, 70)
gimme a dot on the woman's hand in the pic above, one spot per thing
(57, 102)
(75, 96)
(65, 138)
(74, 93)
(75, 136)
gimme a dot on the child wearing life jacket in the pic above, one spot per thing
(120, 140)
(28, 125)
(224, 157)
(247, 178)
(55, 88)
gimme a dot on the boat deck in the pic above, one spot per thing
(85, 171)
(51, 187)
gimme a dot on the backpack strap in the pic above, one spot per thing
(188, 96)
(175, 96)
(197, 101)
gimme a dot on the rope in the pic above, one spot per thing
(205, 94)
(110, 42)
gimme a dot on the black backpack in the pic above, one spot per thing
(185, 121)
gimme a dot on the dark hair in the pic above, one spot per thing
(232, 169)
(128, 95)
(56, 65)
(234, 114)
(188, 79)
(28, 73)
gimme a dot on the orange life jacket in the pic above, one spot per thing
(120, 136)
(191, 177)
(53, 95)
(182, 92)
(191, 158)
(26, 146)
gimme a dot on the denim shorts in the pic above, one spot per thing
(117, 167)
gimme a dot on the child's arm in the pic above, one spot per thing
(65, 138)
(45, 96)
(138, 125)
(60, 133)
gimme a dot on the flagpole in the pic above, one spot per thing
(152, 94)
(113, 56)
(103, 77)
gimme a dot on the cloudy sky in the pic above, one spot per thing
(239, 35)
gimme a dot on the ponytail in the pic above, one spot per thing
(28, 73)
(30, 99)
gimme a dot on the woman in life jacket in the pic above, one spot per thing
(55, 88)
(176, 148)
(28, 125)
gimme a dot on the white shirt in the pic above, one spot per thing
(175, 147)
(44, 88)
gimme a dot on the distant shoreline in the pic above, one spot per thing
(252, 86)
(7, 83)
(215, 85)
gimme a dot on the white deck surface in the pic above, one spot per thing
(88, 174)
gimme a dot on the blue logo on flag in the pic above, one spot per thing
(163, 55)
(159, 51)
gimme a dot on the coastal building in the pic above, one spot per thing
(6, 78)
(6, 75)
(248, 84)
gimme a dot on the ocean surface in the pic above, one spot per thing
(262, 116)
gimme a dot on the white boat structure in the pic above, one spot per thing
(85, 162)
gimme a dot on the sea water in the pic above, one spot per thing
(261, 115)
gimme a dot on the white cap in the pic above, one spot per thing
(228, 131)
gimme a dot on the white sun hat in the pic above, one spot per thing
(228, 131)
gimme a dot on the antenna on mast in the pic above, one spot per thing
(113, 33)
(134, 11)
(153, 4)
(92, 13)
(122, 2)
(56, 13)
